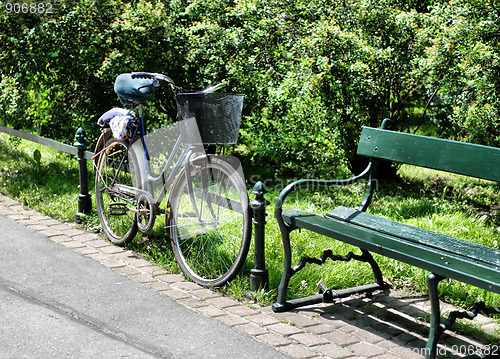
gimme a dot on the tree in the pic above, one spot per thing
(465, 57)
(313, 71)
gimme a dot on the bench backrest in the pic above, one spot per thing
(445, 155)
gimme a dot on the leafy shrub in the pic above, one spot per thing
(313, 72)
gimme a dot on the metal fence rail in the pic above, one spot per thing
(46, 142)
(78, 150)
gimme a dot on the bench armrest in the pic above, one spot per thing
(317, 182)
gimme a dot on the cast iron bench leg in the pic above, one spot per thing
(323, 295)
(435, 331)
(281, 304)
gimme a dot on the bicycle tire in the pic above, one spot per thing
(119, 223)
(210, 248)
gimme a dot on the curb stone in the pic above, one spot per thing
(384, 325)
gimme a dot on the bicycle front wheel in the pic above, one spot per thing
(209, 221)
(116, 210)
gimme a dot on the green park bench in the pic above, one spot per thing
(441, 255)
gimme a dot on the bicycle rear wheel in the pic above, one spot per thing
(209, 222)
(116, 210)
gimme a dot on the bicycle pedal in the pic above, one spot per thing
(118, 209)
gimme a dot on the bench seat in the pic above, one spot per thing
(441, 254)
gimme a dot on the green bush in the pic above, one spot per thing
(313, 72)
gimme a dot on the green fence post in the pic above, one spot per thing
(259, 278)
(84, 200)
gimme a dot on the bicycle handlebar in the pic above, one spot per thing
(160, 77)
(156, 77)
(214, 88)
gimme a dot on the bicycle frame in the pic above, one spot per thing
(185, 158)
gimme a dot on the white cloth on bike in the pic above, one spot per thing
(119, 126)
(118, 119)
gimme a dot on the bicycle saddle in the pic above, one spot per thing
(133, 91)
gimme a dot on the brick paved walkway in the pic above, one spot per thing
(387, 325)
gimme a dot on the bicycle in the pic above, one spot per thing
(207, 211)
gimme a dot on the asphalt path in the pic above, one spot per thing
(56, 303)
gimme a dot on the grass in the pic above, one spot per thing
(47, 180)
(39, 177)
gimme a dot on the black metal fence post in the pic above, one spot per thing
(259, 278)
(84, 200)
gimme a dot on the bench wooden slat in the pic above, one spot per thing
(445, 155)
(436, 260)
(440, 241)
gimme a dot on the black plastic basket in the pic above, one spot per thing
(218, 115)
